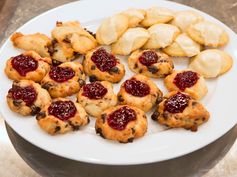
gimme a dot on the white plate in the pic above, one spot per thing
(157, 144)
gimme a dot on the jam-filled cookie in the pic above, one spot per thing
(62, 115)
(211, 63)
(64, 80)
(183, 46)
(97, 96)
(111, 29)
(187, 81)
(139, 91)
(37, 42)
(28, 65)
(101, 65)
(180, 110)
(135, 16)
(208, 34)
(150, 63)
(131, 40)
(121, 123)
(183, 19)
(161, 36)
(27, 97)
(156, 15)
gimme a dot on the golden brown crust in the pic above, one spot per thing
(135, 16)
(115, 75)
(162, 68)
(144, 103)
(54, 125)
(19, 106)
(36, 75)
(193, 115)
(69, 87)
(94, 107)
(133, 130)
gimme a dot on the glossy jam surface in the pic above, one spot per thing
(103, 60)
(94, 90)
(148, 58)
(185, 79)
(136, 88)
(62, 109)
(24, 64)
(119, 119)
(27, 94)
(177, 103)
(61, 74)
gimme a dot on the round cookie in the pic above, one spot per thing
(183, 46)
(150, 63)
(97, 96)
(61, 116)
(101, 65)
(179, 110)
(187, 81)
(208, 34)
(27, 97)
(211, 63)
(139, 91)
(122, 123)
(28, 65)
(64, 80)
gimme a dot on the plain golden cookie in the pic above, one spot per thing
(139, 91)
(187, 81)
(121, 123)
(27, 97)
(135, 16)
(150, 63)
(61, 115)
(178, 110)
(64, 80)
(28, 65)
(96, 97)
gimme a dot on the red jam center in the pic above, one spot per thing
(148, 58)
(185, 79)
(61, 74)
(62, 109)
(24, 64)
(177, 103)
(136, 88)
(94, 90)
(103, 60)
(27, 94)
(119, 119)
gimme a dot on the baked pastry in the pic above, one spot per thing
(161, 36)
(183, 46)
(64, 80)
(28, 65)
(211, 63)
(40, 43)
(187, 81)
(208, 34)
(97, 96)
(180, 110)
(122, 123)
(80, 40)
(27, 97)
(111, 29)
(156, 15)
(131, 40)
(62, 115)
(101, 65)
(135, 16)
(183, 19)
(150, 63)
(139, 91)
